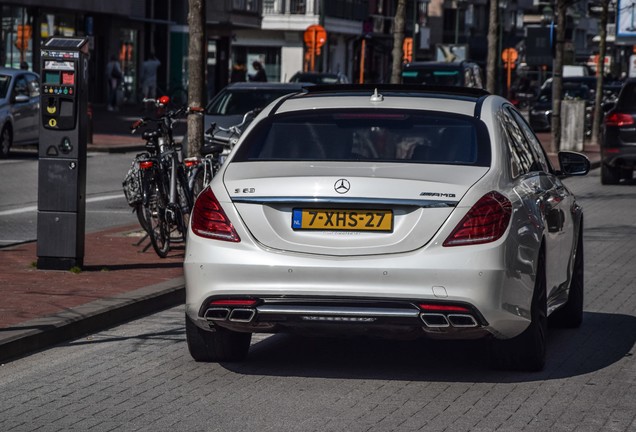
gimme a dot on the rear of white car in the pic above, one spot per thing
(390, 214)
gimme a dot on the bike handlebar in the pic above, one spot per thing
(166, 119)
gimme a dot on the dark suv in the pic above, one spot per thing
(618, 144)
(462, 73)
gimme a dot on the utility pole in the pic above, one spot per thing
(196, 74)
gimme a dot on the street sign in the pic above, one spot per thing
(315, 37)
(509, 56)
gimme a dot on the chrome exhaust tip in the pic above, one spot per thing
(434, 320)
(242, 315)
(217, 314)
(462, 320)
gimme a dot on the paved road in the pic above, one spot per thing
(139, 376)
(105, 202)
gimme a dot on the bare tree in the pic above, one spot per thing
(398, 40)
(196, 74)
(600, 71)
(491, 60)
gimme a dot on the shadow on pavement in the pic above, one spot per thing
(603, 340)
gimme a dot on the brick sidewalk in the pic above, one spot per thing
(114, 267)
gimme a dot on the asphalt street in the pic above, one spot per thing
(139, 376)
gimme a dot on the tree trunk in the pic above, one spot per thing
(600, 72)
(196, 74)
(398, 40)
(491, 60)
(557, 75)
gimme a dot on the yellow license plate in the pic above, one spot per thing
(340, 219)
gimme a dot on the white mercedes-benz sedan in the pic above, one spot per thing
(387, 210)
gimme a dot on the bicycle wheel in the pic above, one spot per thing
(155, 215)
(185, 201)
(141, 216)
(201, 177)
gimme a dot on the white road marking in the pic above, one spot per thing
(34, 208)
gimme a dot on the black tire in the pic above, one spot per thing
(155, 214)
(570, 315)
(609, 175)
(217, 345)
(527, 351)
(6, 141)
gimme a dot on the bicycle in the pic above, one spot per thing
(218, 143)
(166, 197)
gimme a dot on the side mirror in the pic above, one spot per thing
(573, 164)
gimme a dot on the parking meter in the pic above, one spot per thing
(62, 153)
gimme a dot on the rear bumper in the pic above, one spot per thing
(377, 294)
(623, 157)
(380, 317)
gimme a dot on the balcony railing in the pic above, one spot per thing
(245, 5)
(292, 7)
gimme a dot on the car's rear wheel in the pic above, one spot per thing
(609, 175)
(528, 350)
(6, 140)
(217, 345)
(571, 314)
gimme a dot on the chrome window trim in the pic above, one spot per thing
(338, 200)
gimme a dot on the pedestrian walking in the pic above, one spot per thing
(149, 76)
(239, 73)
(114, 78)
(260, 72)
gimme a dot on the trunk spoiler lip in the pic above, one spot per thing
(423, 203)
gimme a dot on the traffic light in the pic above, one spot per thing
(407, 50)
(23, 35)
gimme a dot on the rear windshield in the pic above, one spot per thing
(627, 98)
(237, 102)
(379, 136)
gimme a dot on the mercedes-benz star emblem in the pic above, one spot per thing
(342, 186)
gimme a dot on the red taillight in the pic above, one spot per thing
(233, 302)
(210, 221)
(485, 222)
(191, 162)
(619, 119)
(443, 308)
(145, 165)
(164, 100)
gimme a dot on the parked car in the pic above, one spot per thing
(463, 73)
(19, 109)
(387, 210)
(229, 106)
(618, 142)
(575, 87)
(319, 78)
(233, 101)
